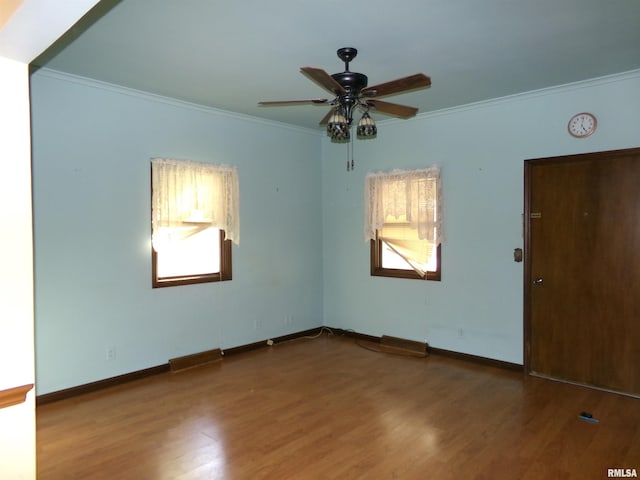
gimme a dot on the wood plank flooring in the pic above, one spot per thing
(327, 409)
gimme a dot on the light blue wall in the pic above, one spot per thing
(477, 308)
(302, 255)
(91, 175)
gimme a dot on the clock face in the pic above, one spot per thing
(582, 125)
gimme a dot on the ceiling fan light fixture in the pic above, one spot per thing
(338, 127)
(342, 135)
(366, 126)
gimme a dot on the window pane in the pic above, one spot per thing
(194, 250)
(392, 259)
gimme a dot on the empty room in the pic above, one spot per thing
(340, 240)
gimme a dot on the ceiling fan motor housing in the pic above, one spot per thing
(352, 82)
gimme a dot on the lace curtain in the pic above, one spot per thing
(186, 192)
(411, 197)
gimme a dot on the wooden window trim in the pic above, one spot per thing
(223, 275)
(378, 271)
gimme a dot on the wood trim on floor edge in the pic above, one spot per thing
(100, 384)
(276, 340)
(487, 362)
(148, 372)
(490, 362)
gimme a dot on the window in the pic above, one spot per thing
(195, 218)
(403, 223)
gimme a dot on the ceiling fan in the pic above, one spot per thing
(351, 92)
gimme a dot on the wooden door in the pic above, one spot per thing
(582, 270)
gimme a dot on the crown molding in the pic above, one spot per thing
(524, 96)
(132, 92)
(543, 92)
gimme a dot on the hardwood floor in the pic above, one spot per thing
(328, 409)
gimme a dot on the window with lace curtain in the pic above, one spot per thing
(194, 220)
(403, 223)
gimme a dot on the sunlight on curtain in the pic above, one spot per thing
(404, 209)
(192, 194)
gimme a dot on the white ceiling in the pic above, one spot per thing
(232, 54)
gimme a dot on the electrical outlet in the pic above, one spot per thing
(111, 353)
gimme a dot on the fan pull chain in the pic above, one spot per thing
(352, 153)
(347, 157)
(350, 164)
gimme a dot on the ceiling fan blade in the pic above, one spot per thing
(323, 79)
(401, 85)
(317, 101)
(326, 118)
(394, 109)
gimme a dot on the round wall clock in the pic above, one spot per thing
(582, 125)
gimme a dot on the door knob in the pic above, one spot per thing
(538, 281)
